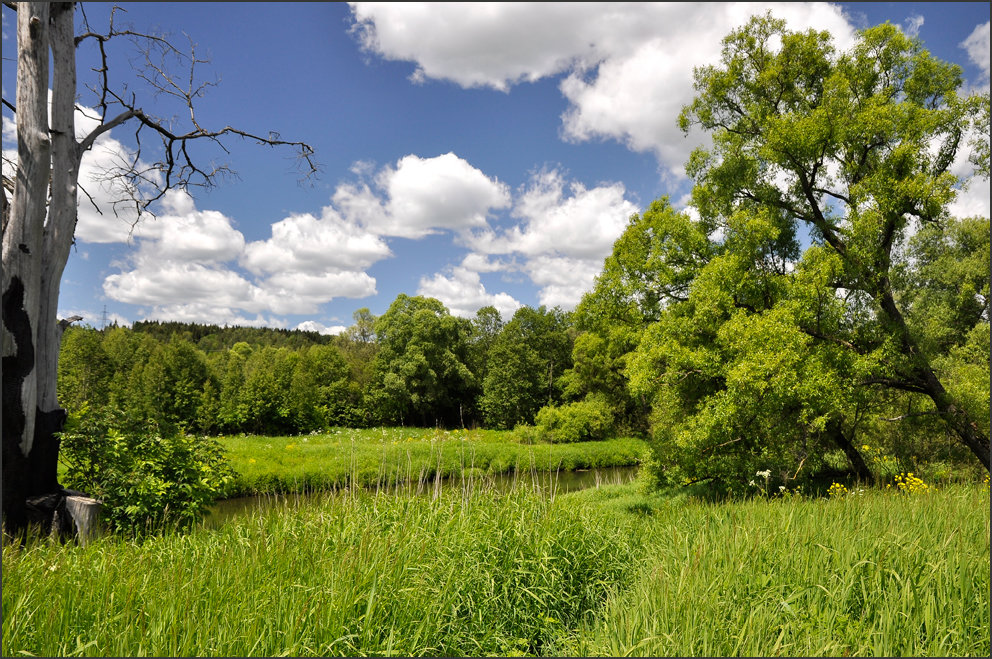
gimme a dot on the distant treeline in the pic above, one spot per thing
(211, 338)
(414, 365)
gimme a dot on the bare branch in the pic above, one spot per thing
(732, 441)
(174, 165)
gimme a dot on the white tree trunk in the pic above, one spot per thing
(37, 238)
(23, 238)
(62, 208)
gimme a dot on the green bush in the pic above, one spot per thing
(525, 434)
(146, 481)
(590, 419)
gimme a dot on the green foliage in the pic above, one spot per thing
(513, 387)
(762, 358)
(146, 481)
(525, 365)
(943, 282)
(651, 267)
(420, 371)
(590, 419)
(486, 327)
(85, 368)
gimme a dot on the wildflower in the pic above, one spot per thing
(781, 488)
(752, 484)
(836, 490)
(764, 474)
(910, 484)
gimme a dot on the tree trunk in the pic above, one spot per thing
(22, 255)
(36, 243)
(924, 377)
(836, 433)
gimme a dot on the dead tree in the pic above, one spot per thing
(40, 219)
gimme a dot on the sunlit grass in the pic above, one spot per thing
(352, 574)
(387, 456)
(607, 571)
(878, 574)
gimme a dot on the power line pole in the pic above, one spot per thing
(103, 319)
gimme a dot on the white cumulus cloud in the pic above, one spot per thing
(627, 66)
(184, 265)
(421, 196)
(566, 231)
(463, 293)
(306, 244)
(977, 46)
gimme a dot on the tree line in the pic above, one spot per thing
(414, 365)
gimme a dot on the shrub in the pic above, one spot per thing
(590, 419)
(146, 481)
(525, 434)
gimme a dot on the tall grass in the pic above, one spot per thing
(879, 574)
(353, 574)
(469, 572)
(388, 456)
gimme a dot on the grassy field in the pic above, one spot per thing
(385, 456)
(604, 571)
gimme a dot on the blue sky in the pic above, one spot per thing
(477, 154)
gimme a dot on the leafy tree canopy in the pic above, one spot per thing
(764, 357)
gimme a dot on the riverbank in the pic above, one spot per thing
(385, 457)
(606, 571)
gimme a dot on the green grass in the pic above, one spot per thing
(354, 574)
(386, 456)
(879, 574)
(604, 571)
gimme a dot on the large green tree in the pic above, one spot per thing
(650, 268)
(525, 366)
(770, 357)
(420, 370)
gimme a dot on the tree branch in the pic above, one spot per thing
(895, 384)
(176, 166)
(912, 414)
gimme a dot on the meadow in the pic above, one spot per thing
(606, 571)
(378, 457)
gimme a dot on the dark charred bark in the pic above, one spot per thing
(29, 481)
(16, 368)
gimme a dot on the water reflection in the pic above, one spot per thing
(550, 482)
